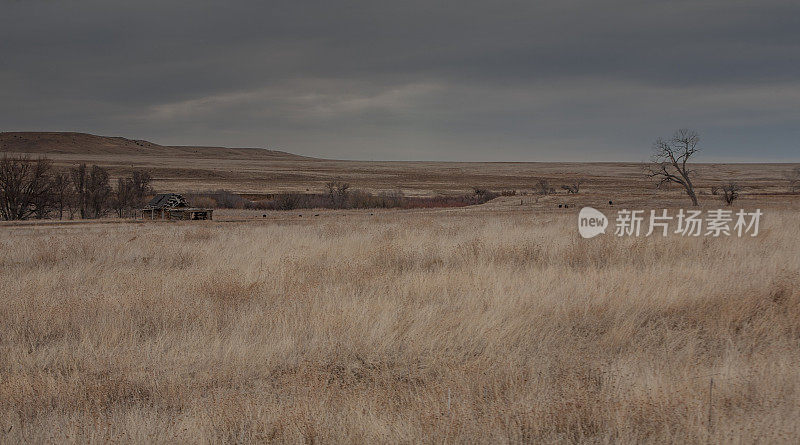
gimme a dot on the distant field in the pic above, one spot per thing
(258, 172)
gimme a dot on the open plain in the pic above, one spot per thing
(491, 323)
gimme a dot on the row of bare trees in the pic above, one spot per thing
(33, 188)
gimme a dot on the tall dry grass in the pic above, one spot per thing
(398, 328)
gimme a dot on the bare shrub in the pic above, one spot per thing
(228, 200)
(729, 192)
(288, 201)
(483, 194)
(573, 187)
(391, 199)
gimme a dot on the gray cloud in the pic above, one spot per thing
(506, 80)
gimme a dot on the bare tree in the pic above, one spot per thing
(337, 193)
(39, 187)
(729, 192)
(44, 200)
(62, 193)
(98, 192)
(24, 187)
(793, 176)
(130, 193)
(124, 197)
(670, 158)
(140, 182)
(79, 176)
(573, 187)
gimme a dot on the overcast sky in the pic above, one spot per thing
(422, 80)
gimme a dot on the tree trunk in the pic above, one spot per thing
(689, 187)
(692, 195)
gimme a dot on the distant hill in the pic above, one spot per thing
(89, 144)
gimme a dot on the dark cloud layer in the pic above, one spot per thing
(501, 80)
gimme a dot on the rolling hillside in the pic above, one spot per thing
(51, 143)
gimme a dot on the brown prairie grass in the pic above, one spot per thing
(399, 328)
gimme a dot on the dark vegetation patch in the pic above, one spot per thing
(340, 196)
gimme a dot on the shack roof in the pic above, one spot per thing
(166, 200)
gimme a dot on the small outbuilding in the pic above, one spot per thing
(173, 206)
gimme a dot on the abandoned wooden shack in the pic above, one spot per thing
(173, 206)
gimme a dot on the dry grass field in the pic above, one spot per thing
(461, 325)
(494, 323)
